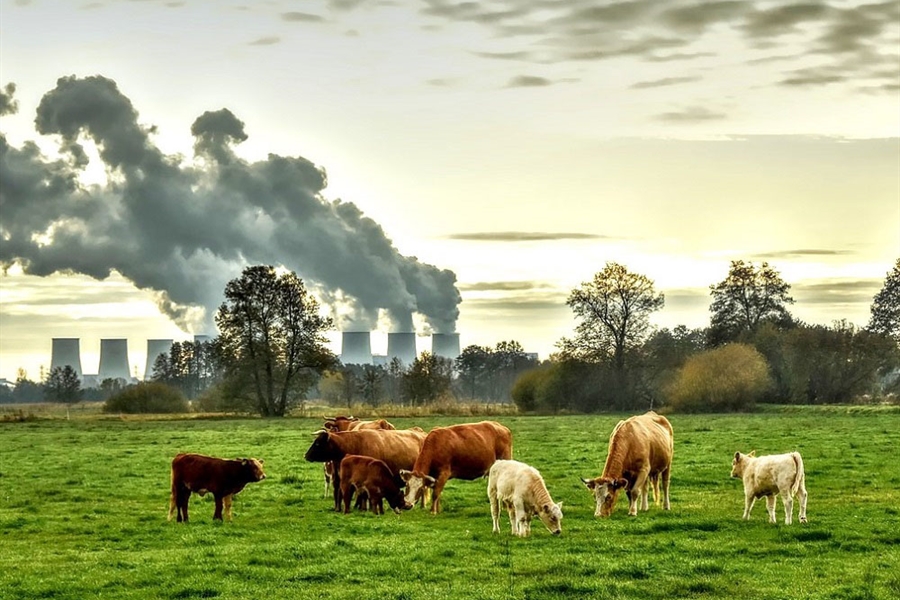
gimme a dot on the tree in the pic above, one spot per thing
(428, 378)
(271, 339)
(26, 390)
(472, 365)
(614, 309)
(886, 306)
(748, 297)
(370, 384)
(63, 386)
(732, 377)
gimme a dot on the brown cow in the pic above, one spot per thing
(351, 423)
(458, 451)
(640, 453)
(397, 448)
(202, 474)
(371, 477)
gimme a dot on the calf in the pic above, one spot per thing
(521, 490)
(201, 474)
(342, 423)
(769, 476)
(372, 477)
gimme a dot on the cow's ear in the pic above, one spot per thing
(405, 475)
(261, 461)
(429, 481)
(752, 453)
(620, 483)
(737, 456)
(559, 506)
(245, 462)
(589, 483)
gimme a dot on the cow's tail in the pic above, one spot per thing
(801, 474)
(173, 503)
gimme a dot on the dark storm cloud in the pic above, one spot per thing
(528, 81)
(523, 236)
(690, 115)
(663, 82)
(8, 105)
(183, 232)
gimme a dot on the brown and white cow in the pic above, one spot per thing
(372, 477)
(398, 448)
(459, 451)
(222, 478)
(521, 490)
(351, 423)
(640, 452)
(769, 476)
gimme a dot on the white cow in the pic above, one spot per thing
(769, 476)
(521, 490)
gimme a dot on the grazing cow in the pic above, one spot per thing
(201, 474)
(521, 490)
(351, 423)
(769, 476)
(372, 477)
(397, 448)
(458, 451)
(640, 453)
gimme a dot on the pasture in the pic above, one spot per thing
(83, 506)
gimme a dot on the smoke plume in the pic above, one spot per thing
(184, 230)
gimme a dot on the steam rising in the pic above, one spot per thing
(184, 230)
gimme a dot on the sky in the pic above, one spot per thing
(436, 166)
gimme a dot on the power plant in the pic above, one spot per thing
(66, 351)
(402, 346)
(155, 348)
(113, 360)
(356, 348)
(445, 344)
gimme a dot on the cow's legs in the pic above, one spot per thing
(639, 484)
(217, 516)
(770, 507)
(336, 482)
(749, 499)
(495, 512)
(788, 501)
(439, 484)
(665, 476)
(802, 493)
(226, 501)
(513, 524)
(645, 496)
(521, 518)
(181, 504)
(347, 495)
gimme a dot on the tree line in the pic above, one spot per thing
(271, 356)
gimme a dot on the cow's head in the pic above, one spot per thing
(415, 486)
(320, 450)
(339, 423)
(551, 515)
(394, 496)
(605, 491)
(739, 462)
(253, 467)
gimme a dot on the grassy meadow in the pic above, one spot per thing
(83, 506)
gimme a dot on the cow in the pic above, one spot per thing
(640, 453)
(372, 477)
(223, 478)
(397, 448)
(521, 490)
(769, 476)
(351, 423)
(459, 451)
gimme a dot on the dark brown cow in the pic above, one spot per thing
(640, 453)
(397, 448)
(371, 477)
(351, 423)
(201, 474)
(458, 451)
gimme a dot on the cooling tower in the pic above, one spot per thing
(445, 344)
(200, 338)
(154, 349)
(356, 348)
(402, 346)
(66, 351)
(114, 360)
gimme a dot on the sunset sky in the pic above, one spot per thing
(518, 144)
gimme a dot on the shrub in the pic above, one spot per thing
(524, 391)
(147, 397)
(733, 377)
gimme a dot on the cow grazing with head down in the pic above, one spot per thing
(458, 451)
(372, 477)
(220, 477)
(351, 423)
(640, 453)
(769, 476)
(521, 490)
(397, 448)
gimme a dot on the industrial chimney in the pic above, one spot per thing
(154, 349)
(66, 351)
(402, 346)
(356, 348)
(113, 360)
(445, 345)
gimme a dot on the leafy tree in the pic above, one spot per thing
(746, 298)
(26, 390)
(394, 377)
(190, 366)
(732, 377)
(148, 397)
(271, 339)
(370, 384)
(614, 309)
(428, 378)
(472, 365)
(886, 306)
(62, 386)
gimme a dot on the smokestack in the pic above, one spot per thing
(402, 346)
(356, 348)
(154, 349)
(445, 344)
(66, 351)
(113, 360)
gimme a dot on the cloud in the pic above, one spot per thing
(504, 286)
(184, 231)
(838, 291)
(800, 253)
(265, 41)
(523, 236)
(663, 82)
(690, 115)
(301, 17)
(528, 81)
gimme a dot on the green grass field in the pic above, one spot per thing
(83, 506)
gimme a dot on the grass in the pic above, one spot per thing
(83, 507)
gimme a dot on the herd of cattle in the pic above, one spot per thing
(377, 462)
